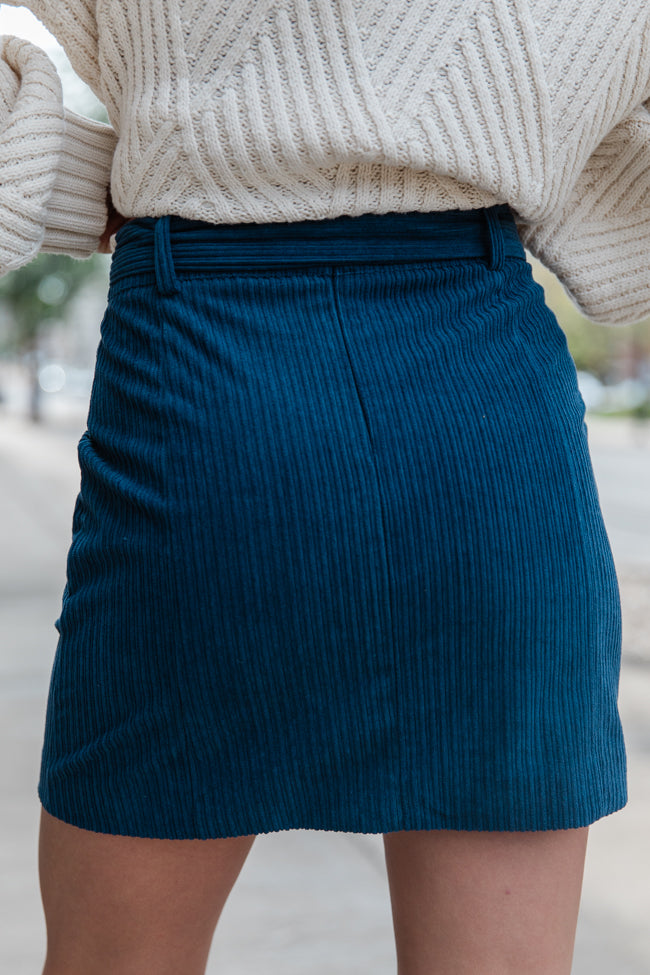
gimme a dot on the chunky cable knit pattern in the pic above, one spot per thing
(282, 110)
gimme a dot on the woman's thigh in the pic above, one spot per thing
(121, 905)
(494, 903)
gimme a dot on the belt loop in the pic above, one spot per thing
(497, 242)
(166, 279)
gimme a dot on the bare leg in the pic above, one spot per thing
(472, 903)
(117, 905)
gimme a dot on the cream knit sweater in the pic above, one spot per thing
(278, 110)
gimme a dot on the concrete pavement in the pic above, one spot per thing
(305, 901)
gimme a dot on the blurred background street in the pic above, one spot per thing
(306, 901)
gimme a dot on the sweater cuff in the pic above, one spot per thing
(76, 209)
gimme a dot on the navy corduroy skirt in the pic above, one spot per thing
(338, 560)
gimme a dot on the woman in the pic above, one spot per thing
(337, 559)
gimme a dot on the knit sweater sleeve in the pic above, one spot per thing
(54, 164)
(598, 244)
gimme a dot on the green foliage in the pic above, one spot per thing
(610, 353)
(39, 294)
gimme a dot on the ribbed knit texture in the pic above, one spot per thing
(54, 165)
(286, 110)
(338, 560)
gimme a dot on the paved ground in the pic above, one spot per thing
(306, 901)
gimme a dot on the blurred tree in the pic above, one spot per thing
(35, 297)
(599, 349)
(611, 353)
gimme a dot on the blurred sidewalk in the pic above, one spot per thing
(306, 901)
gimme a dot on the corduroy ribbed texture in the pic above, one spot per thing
(338, 560)
(263, 111)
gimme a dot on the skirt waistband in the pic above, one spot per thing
(169, 246)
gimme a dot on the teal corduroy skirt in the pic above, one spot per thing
(338, 560)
